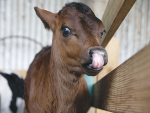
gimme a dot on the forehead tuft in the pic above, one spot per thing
(80, 7)
(80, 13)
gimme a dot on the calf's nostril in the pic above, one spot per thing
(90, 53)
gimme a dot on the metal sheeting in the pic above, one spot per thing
(18, 19)
(134, 32)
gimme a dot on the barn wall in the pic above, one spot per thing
(17, 18)
(135, 30)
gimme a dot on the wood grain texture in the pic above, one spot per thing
(113, 16)
(112, 49)
(113, 60)
(98, 6)
(127, 88)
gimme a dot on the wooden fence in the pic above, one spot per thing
(127, 88)
(134, 31)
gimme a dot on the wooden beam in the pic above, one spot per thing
(112, 49)
(127, 88)
(114, 14)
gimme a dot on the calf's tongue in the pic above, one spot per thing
(97, 60)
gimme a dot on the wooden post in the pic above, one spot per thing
(112, 49)
(114, 14)
(127, 88)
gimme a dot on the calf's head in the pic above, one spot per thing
(76, 38)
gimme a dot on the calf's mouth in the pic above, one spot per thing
(95, 62)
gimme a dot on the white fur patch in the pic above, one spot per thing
(5, 95)
(19, 105)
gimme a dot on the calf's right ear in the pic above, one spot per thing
(46, 17)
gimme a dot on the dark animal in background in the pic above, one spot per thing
(55, 80)
(11, 93)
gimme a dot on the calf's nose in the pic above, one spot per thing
(98, 56)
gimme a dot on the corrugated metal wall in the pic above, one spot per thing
(135, 30)
(17, 18)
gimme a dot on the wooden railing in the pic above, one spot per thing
(114, 14)
(126, 88)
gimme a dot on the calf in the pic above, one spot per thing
(11, 93)
(55, 80)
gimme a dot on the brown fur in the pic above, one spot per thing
(55, 81)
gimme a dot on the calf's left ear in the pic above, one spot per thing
(48, 18)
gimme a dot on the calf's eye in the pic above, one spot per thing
(102, 33)
(66, 31)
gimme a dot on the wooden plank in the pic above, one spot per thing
(21, 72)
(98, 6)
(127, 88)
(113, 61)
(114, 14)
(102, 111)
(113, 57)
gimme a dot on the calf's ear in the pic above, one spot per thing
(46, 17)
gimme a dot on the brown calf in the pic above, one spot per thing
(55, 81)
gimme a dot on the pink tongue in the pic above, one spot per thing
(97, 60)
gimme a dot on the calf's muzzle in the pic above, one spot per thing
(97, 58)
